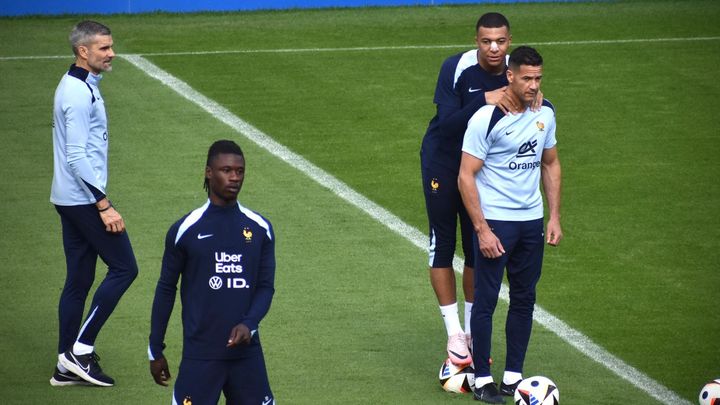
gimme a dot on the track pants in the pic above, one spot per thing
(524, 244)
(84, 239)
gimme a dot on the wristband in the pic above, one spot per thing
(106, 208)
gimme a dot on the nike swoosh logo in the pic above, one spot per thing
(85, 369)
(471, 90)
(508, 133)
(457, 355)
(268, 402)
(201, 236)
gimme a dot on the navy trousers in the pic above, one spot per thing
(524, 244)
(84, 239)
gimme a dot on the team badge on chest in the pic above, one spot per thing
(247, 233)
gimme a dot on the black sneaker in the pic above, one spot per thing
(488, 393)
(86, 366)
(60, 379)
(509, 389)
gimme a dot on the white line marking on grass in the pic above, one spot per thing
(397, 225)
(378, 48)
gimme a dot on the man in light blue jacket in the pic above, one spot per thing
(91, 226)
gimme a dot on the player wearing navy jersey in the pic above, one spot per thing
(504, 159)
(467, 81)
(91, 226)
(225, 255)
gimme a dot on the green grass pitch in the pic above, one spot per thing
(354, 319)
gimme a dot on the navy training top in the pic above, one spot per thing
(226, 258)
(459, 93)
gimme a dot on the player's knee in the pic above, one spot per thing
(522, 304)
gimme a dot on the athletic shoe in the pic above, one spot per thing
(457, 349)
(488, 393)
(468, 337)
(509, 389)
(86, 366)
(60, 379)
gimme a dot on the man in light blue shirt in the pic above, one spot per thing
(91, 226)
(504, 159)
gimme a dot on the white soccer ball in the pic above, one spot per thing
(537, 390)
(710, 394)
(454, 378)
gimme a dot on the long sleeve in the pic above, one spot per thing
(452, 121)
(172, 265)
(77, 113)
(265, 288)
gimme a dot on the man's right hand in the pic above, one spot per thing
(489, 244)
(160, 371)
(500, 99)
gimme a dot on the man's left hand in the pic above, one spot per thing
(537, 103)
(240, 335)
(554, 232)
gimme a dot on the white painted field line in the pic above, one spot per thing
(412, 47)
(397, 225)
(378, 48)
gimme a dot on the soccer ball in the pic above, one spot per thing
(456, 379)
(710, 394)
(537, 391)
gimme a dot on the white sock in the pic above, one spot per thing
(481, 381)
(61, 368)
(451, 318)
(81, 348)
(511, 377)
(468, 314)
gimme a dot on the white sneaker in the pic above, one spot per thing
(457, 349)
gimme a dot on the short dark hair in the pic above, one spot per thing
(217, 148)
(524, 55)
(492, 20)
(84, 31)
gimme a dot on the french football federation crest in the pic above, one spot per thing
(540, 125)
(247, 233)
(434, 185)
(187, 401)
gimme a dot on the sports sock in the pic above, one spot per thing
(481, 381)
(511, 377)
(451, 319)
(81, 348)
(468, 313)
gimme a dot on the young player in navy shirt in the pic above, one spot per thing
(225, 255)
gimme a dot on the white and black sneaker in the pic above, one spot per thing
(86, 366)
(60, 379)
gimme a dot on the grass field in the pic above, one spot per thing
(354, 319)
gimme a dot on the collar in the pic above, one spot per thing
(84, 75)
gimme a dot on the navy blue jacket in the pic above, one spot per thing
(459, 93)
(226, 258)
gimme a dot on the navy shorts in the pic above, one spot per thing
(444, 208)
(243, 381)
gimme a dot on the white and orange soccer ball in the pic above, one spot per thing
(537, 390)
(710, 393)
(455, 378)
